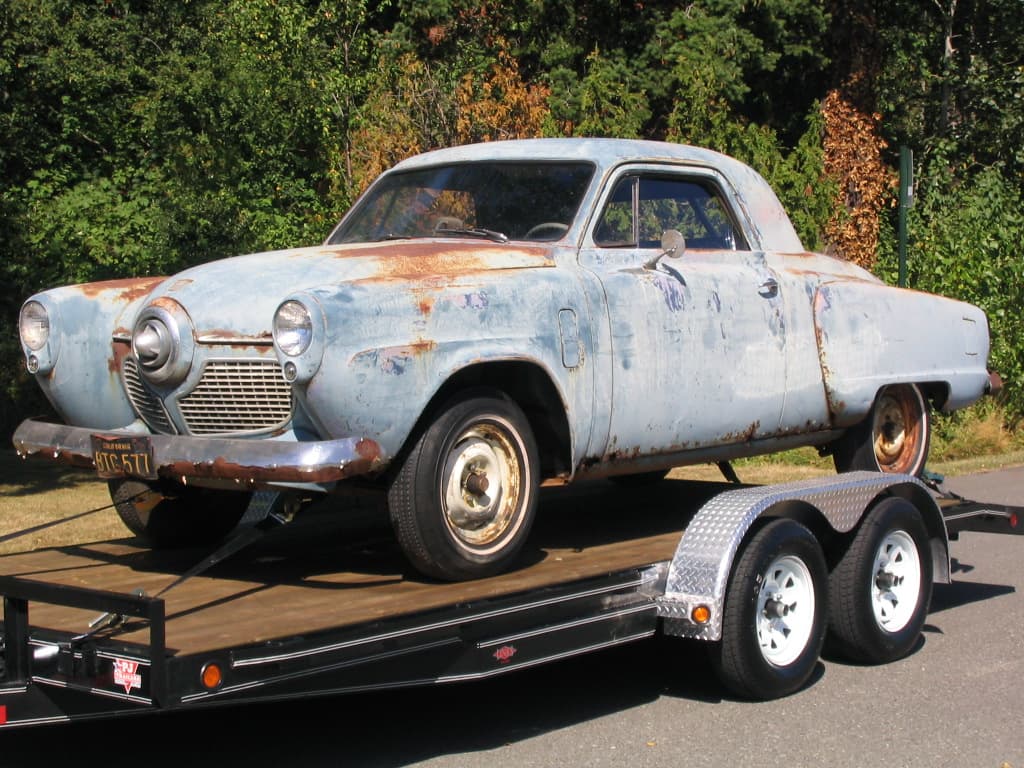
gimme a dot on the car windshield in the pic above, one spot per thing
(493, 200)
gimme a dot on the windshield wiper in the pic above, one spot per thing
(489, 234)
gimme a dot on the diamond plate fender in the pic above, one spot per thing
(699, 571)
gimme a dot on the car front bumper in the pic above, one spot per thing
(248, 462)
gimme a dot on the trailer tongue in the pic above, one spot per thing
(310, 610)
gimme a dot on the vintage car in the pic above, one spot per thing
(483, 320)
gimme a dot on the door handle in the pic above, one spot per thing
(769, 289)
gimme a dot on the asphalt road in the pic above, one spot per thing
(957, 701)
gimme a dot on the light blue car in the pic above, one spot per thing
(485, 319)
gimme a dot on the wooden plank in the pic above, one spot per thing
(320, 573)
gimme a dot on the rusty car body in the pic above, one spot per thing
(484, 319)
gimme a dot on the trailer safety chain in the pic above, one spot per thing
(934, 481)
(266, 511)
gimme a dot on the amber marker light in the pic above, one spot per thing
(701, 614)
(211, 676)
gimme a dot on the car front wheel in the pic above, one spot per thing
(165, 515)
(464, 498)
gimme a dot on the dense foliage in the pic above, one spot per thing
(139, 138)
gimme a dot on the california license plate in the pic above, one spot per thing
(123, 456)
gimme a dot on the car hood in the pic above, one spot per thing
(237, 297)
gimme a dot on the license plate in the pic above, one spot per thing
(123, 456)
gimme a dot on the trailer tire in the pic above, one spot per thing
(463, 501)
(880, 590)
(774, 620)
(894, 438)
(167, 515)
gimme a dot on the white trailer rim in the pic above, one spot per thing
(785, 610)
(895, 581)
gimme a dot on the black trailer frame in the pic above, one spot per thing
(49, 676)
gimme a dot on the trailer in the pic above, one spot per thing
(326, 605)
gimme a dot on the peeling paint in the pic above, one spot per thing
(125, 290)
(673, 293)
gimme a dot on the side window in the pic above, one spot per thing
(615, 229)
(642, 208)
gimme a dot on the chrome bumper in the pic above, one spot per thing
(246, 461)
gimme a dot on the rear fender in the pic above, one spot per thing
(871, 335)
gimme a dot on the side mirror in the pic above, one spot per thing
(673, 245)
(672, 242)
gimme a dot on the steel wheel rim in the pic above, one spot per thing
(895, 581)
(785, 610)
(481, 486)
(896, 430)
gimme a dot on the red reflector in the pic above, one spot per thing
(3, 714)
(1013, 519)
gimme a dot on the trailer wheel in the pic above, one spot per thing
(880, 590)
(893, 438)
(166, 515)
(463, 501)
(774, 623)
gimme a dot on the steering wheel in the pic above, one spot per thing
(556, 228)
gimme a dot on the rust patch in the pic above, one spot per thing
(394, 360)
(745, 436)
(223, 469)
(120, 350)
(129, 289)
(169, 304)
(426, 306)
(368, 450)
(400, 259)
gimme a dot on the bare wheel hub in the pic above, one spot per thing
(890, 430)
(481, 484)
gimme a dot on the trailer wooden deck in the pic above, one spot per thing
(329, 569)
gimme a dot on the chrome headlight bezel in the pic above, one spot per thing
(300, 330)
(293, 328)
(34, 325)
(41, 345)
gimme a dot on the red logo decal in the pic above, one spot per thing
(126, 674)
(505, 653)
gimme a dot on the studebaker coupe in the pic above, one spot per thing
(486, 318)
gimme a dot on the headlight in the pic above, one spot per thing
(293, 328)
(34, 325)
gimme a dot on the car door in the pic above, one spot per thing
(697, 337)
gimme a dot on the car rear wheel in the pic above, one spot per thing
(464, 498)
(166, 515)
(894, 438)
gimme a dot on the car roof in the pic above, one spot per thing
(771, 224)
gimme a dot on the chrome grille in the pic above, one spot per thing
(146, 404)
(237, 396)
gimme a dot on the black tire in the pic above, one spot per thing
(640, 479)
(881, 588)
(894, 438)
(774, 620)
(463, 501)
(168, 515)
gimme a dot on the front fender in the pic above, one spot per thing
(81, 375)
(389, 346)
